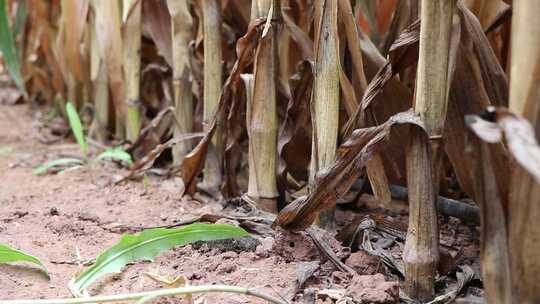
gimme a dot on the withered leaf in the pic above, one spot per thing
(333, 183)
(156, 21)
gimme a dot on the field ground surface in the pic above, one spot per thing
(67, 219)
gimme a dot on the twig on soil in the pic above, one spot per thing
(75, 262)
(148, 295)
(314, 234)
(446, 206)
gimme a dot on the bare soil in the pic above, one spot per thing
(67, 219)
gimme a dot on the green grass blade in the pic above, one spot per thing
(8, 255)
(64, 162)
(116, 153)
(18, 28)
(8, 49)
(76, 127)
(148, 244)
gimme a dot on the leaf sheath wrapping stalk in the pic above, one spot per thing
(421, 251)
(326, 88)
(262, 112)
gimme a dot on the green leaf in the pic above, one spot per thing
(18, 27)
(64, 162)
(8, 49)
(76, 127)
(148, 244)
(116, 153)
(8, 255)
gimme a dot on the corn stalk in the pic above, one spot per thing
(98, 77)
(262, 111)
(182, 34)
(131, 18)
(108, 32)
(212, 90)
(524, 197)
(421, 252)
(325, 98)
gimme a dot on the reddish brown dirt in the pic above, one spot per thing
(71, 217)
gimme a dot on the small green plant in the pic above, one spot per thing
(9, 255)
(148, 244)
(143, 246)
(8, 48)
(77, 130)
(76, 127)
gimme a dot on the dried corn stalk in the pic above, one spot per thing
(108, 26)
(131, 18)
(325, 97)
(421, 251)
(262, 111)
(212, 90)
(182, 34)
(524, 196)
(98, 77)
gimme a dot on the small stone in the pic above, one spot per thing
(373, 289)
(54, 212)
(362, 262)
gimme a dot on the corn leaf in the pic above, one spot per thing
(64, 162)
(8, 255)
(116, 153)
(7, 47)
(76, 127)
(148, 244)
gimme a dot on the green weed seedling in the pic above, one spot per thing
(69, 162)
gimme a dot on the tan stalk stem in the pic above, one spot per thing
(421, 252)
(98, 77)
(262, 111)
(286, 63)
(132, 66)
(524, 198)
(326, 89)
(212, 90)
(525, 70)
(108, 31)
(182, 34)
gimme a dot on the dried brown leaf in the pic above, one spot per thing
(333, 183)
(156, 21)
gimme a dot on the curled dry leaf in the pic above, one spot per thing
(156, 21)
(294, 141)
(333, 183)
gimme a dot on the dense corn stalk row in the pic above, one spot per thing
(296, 106)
